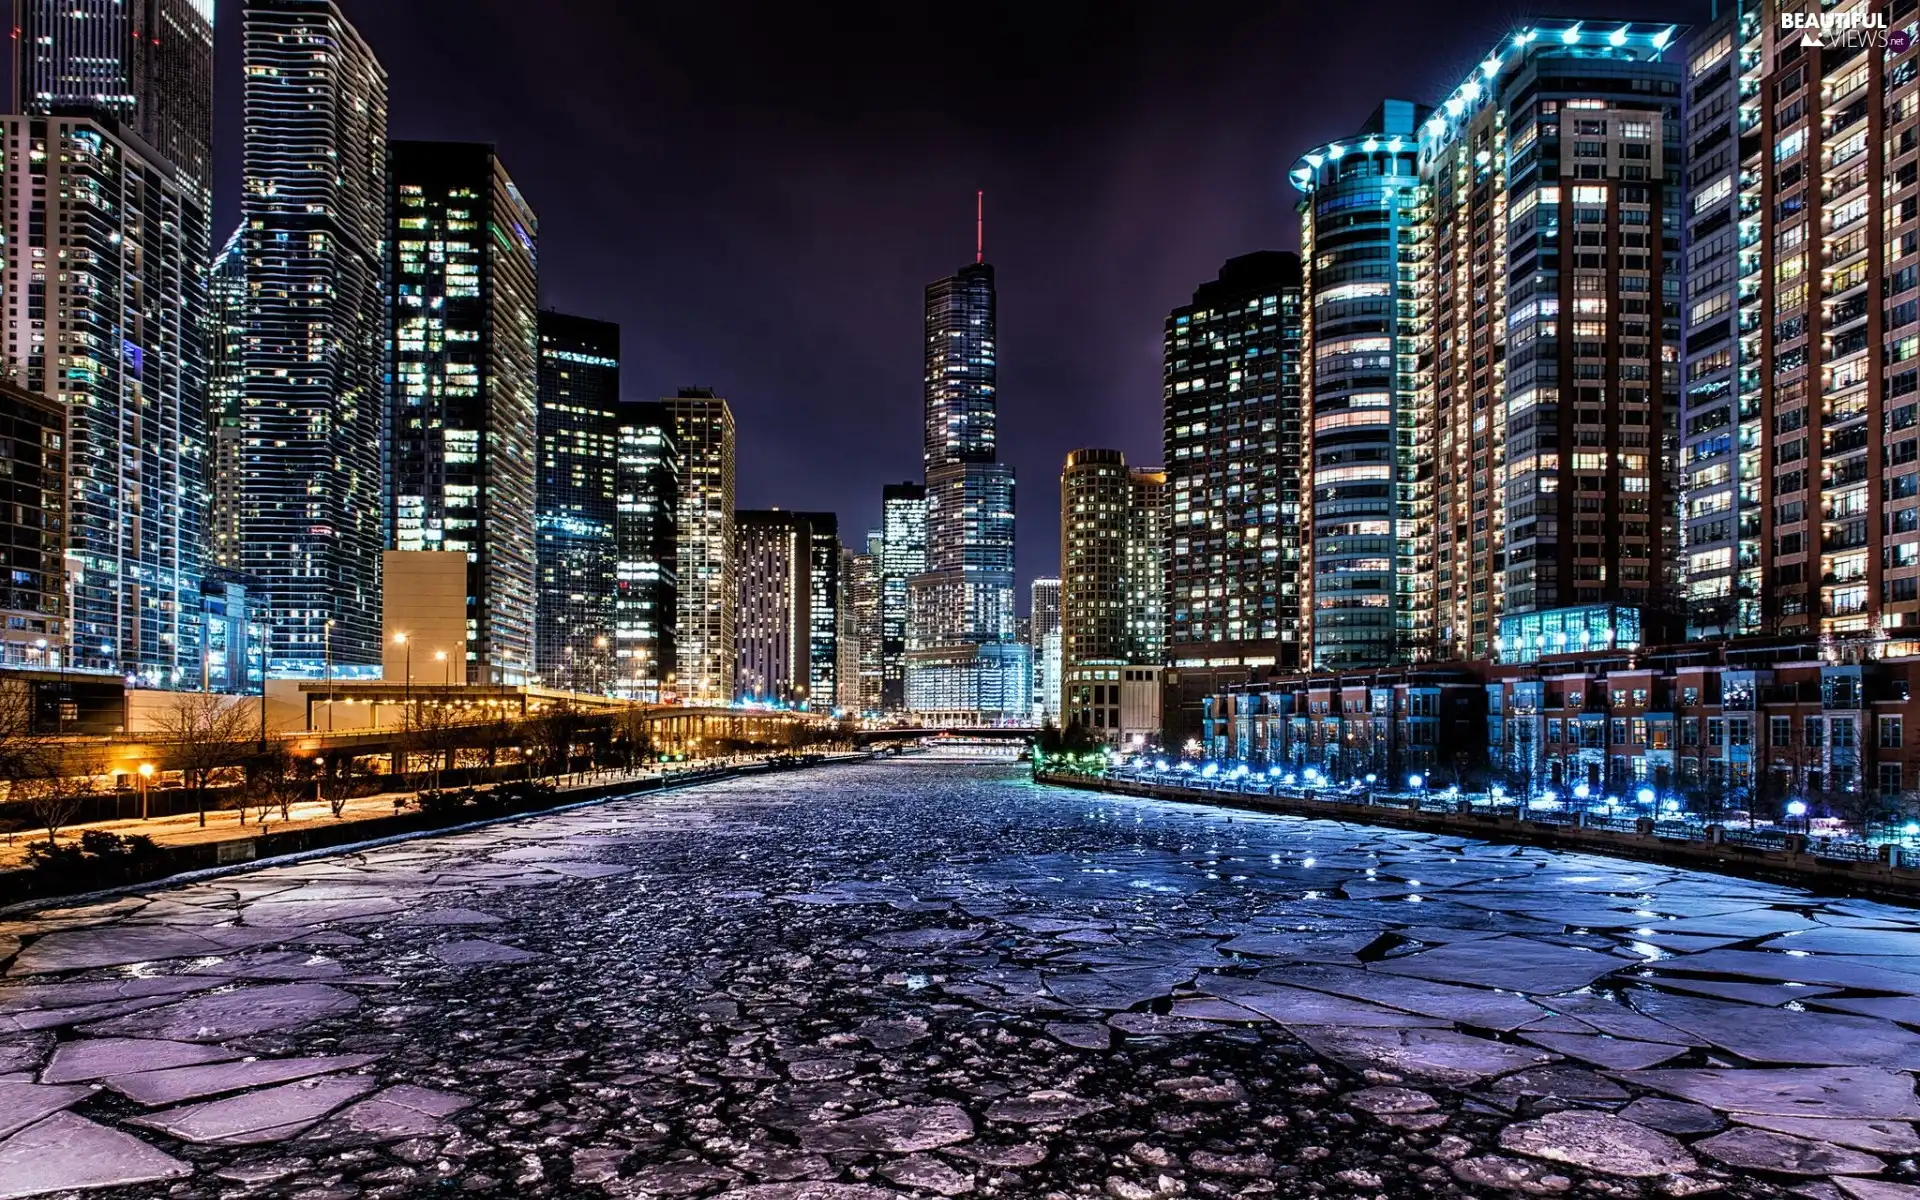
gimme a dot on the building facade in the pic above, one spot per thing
(865, 586)
(226, 386)
(1802, 469)
(1232, 437)
(773, 556)
(33, 529)
(707, 584)
(964, 598)
(903, 556)
(1365, 236)
(314, 205)
(465, 405)
(1551, 360)
(1043, 636)
(145, 64)
(106, 307)
(823, 611)
(1111, 584)
(577, 509)
(646, 548)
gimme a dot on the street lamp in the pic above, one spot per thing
(446, 680)
(146, 776)
(400, 639)
(326, 641)
(600, 664)
(1797, 809)
(1645, 796)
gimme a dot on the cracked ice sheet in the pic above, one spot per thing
(65, 1152)
(269, 1115)
(223, 1015)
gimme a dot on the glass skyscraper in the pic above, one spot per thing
(314, 204)
(107, 227)
(146, 64)
(646, 567)
(465, 279)
(824, 584)
(577, 507)
(964, 599)
(1367, 246)
(227, 385)
(106, 312)
(903, 556)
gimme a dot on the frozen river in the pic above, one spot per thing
(925, 978)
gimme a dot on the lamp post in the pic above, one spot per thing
(599, 663)
(326, 640)
(146, 776)
(400, 639)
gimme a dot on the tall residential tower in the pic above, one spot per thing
(314, 204)
(576, 499)
(466, 346)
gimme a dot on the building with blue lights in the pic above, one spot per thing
(1551, 357)
(1366, 241)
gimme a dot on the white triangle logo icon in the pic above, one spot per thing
(1811, 39)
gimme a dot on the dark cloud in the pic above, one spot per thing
(758, 192)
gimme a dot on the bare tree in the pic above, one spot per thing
(206, 734)
(551, 738)
(338, 780)
(634, 736)
(59, 787)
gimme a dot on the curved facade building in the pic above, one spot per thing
(1369, 461)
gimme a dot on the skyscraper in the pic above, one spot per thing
(226, 387)
(146, 64)
(1043, 635)
(1800, 315)
(1231, 388)
(466, 350)
(773, 553)
(1365, 237)
(646, 569)
(703, 433)
(1551, 361)
(823, 629)
(1111, 584)
(33, 528)
(576, 502)
(903, 556)
(314, 204)
(106, 317)
(964, 599)
(866, 587)
(847, 644)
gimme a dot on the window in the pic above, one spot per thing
(1716, 732)
(1889, 779)
(1889, 733)
(1780, 732)
(1843, 733)
(1816, 731)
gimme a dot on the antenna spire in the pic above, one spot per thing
(979, 227)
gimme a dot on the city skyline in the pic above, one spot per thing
(1083, 301)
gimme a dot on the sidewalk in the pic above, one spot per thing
(184, 829)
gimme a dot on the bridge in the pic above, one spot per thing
(1021, 734)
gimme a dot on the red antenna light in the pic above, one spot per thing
(979, 227)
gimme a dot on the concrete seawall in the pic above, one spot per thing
(1884, 876)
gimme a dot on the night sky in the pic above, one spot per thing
(758, 193)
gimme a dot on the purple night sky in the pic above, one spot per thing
(758, 193)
